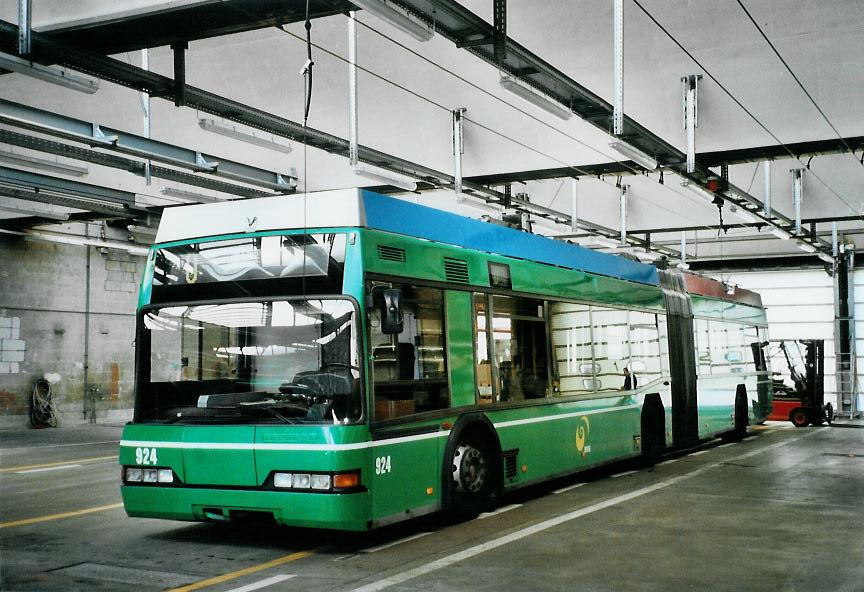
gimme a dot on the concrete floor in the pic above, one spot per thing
(780, 511)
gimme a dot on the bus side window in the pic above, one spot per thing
(573, 347)
(517, 367)
(409, 369)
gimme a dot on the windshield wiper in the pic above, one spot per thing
(271, 406)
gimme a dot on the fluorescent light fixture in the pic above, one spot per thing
(14, 209)
(395, 16)
(826, 258)
(536, 226)
(634, 154)
(45, 165)
(190, 195)
(50, 74)
(600, 241)
(383, 175)
(68, 239)
(646, 255)
(696, 189)
(742, 214)
(211, 125)
(806, 247)
(780, 233)
(534, 97)
(478, 207)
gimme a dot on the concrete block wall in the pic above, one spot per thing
(43, 316)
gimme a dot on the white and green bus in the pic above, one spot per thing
(348, 360)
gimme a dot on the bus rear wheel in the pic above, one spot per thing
(473, 480)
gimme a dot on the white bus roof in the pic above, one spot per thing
(339, 208)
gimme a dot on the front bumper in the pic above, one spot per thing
(348, 511)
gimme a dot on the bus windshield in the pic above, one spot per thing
(275, 361)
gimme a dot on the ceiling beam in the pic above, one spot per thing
(135, 167)
(777, 152)
(715, 227)
(24, 222)
(144, 28)
(711, 159)
(757, 263)
(92, 134)
(85, 191)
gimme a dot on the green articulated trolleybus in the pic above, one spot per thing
(348, 360)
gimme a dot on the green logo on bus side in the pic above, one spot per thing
(582, 431)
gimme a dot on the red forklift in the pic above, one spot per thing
(802, 402)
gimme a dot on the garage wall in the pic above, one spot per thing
(43, 315)
(800, 305)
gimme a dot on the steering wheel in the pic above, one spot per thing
(301, 392)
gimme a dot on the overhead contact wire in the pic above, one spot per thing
(800, 84)
(741, 105)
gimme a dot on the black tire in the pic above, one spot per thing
(829, 413)
(473, 478)
(653, 427)
(742, 417)
(799, 417)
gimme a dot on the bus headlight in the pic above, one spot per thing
(151, 475)
(316, 482)
(134, 474)
(320, 482)
(165, 476)
(282, 479)
(302, 480)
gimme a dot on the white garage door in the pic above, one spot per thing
(801, 306)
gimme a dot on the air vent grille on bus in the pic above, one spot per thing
(456, 270)
(391, 253)
(510, 463)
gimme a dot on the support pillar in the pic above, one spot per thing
(844, 336)
(145, 107)
(180, 73)
(458, 150)
(622, 213)
(797, 196)
(352, 89)
(618, 74)
(25, 17)
(691, 116)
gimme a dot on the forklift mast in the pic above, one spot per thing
(815, 362)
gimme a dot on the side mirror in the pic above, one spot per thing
(392, 321)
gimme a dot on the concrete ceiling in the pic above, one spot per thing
(407, 89)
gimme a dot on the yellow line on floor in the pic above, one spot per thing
(59, 516)
(242, 572)
(57, 464)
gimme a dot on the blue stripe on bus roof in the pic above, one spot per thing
(402, 217)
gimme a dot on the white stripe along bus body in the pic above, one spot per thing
(356, 445)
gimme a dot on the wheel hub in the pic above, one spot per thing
(469, 469)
